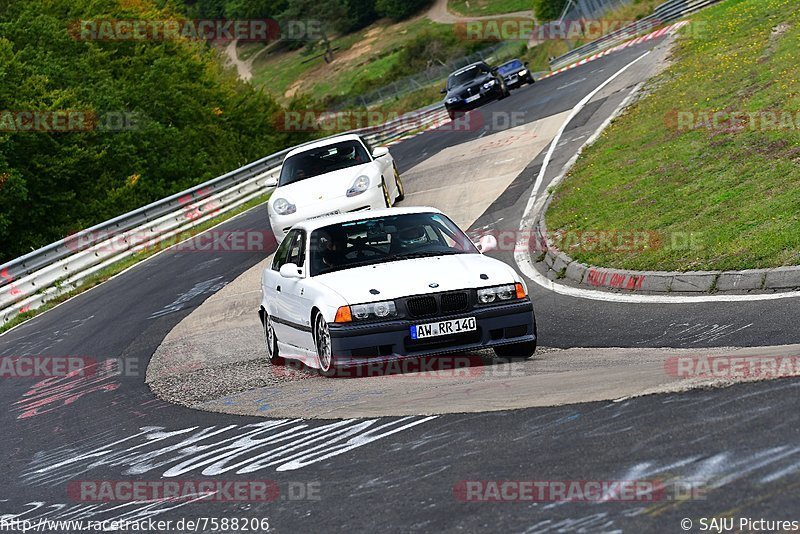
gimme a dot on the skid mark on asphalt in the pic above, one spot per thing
(693, 334)
(202, 288)
(53, 393)
(282, 444)
(38, 342)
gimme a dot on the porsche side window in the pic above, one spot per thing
(283, 251)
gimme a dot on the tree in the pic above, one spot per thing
(545, 10)
(399, 9)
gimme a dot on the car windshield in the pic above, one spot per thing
(383, 239)
(461, 78)
(511, 66)
(322, 160)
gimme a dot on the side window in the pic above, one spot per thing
(283, 250)
(297, 249)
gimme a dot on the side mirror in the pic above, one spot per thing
(487, 243)
(290, 270)
(495, 69)
(526, 63)
(271, 182)
(443, 91)
(380, 151)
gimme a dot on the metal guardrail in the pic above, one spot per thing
(666, 12)
(31, 280)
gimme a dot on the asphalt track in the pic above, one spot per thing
(399, 475)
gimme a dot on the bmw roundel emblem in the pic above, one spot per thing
(434, 285)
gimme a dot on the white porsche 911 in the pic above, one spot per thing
(354, 289)
(336, 175)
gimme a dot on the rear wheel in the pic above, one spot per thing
(272, 342)
(401, 192)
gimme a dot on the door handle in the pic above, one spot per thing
(278, 288)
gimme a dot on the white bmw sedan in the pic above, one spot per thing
(336, 175)
(355, 289)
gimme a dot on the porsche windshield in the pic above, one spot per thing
(414, 235)
(322, 160)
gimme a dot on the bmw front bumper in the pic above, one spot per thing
(357, 344)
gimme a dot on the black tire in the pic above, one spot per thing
(516, 351)
(324, 353)
(451, 114)
(530, 80)
(401, 191)
(505, 92)
(386, 199)
(272, 351)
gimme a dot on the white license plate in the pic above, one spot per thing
(472, 98)
(443, 328)
(336, 212)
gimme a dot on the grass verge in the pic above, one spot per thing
(112, 270)
(709, 161)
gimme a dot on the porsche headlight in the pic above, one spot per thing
(505, 292)
(489, 84)
(284, 207)
(359, 186)
(374, 310)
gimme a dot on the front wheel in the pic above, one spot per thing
(530, 80)
(401, 192)
(322, 341)
(387, 200)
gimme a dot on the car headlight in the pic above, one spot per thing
(489, 84)
(453, 100)
(523, 72)
(359, 186)
(501, 293)
(284, 207)
(374, 310)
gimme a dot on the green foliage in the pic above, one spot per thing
(399, 9)
(548, 9)
(193, 120)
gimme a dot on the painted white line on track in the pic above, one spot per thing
(522, 255)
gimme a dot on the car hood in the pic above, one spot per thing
(326, 186)
(403, 278)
